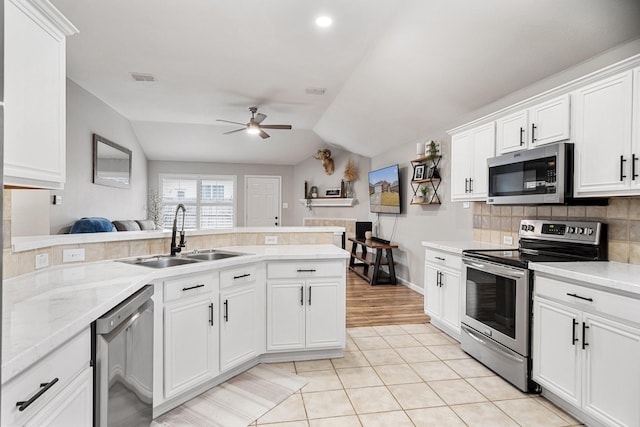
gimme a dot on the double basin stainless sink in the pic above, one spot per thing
(164, 261)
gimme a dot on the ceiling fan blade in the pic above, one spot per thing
(259, 118)
(275, 126)
(263, 134)
(234, 131)
(228, 121)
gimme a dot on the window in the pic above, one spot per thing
(209, 200)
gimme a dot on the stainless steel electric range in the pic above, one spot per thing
(497, 292)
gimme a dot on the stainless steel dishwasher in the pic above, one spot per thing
(123, 363)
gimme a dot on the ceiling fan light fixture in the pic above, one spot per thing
(253, 129)
(324, 21)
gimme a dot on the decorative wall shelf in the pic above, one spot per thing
(320, 202)
(430, 165)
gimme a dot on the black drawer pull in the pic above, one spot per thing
(312, 270)
(43, 388)
(241, 276)
(578, 296)
(188, 288)
(440, 258)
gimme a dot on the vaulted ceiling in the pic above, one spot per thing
(393, 70)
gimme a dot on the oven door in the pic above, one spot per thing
(496, 303)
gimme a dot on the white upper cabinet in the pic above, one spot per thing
(469, 153)
(35, 94)
(603, 143)
(541, 124)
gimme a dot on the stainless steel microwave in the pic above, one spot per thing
(542, 175)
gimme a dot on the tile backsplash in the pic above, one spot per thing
(492, 223)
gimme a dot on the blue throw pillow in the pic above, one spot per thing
(92, 225)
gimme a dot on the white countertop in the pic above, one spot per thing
(607, 274)
(457, 247)
(26, 243)
(43, 309)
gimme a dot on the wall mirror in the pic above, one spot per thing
(111, 163)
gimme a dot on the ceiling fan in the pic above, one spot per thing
(254, 126)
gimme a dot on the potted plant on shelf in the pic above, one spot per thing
(424, 190)
(422, 197)
(432, 148)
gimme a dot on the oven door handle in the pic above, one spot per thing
(490, 268)
(495, 347)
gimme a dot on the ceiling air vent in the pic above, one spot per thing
(315, 90)
(141, 77)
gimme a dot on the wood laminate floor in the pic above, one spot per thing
(382, 304)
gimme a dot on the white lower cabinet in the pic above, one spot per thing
(56, 391)
(442, 290)
(304, 309)
(586, 344)
(241, 316)
(73, 406)
(190, 333)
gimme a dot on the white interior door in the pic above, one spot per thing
(262, 201)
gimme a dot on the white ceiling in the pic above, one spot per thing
(394, 70)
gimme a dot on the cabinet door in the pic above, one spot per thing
(190, 342)
(556, 358)
(461, 146)
(431, 291)
(611, 366)
(603, 136)
(239, 325)
(512, 132)
(325, 314)
(286, 315)
(73, 406)
(550, 121)
(34, 112)
(635, 147)
(450, 299)
(484, 147)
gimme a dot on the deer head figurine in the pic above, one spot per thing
(327, 161)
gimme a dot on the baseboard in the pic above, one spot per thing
(410, 285)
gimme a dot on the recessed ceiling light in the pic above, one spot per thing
(324, 21)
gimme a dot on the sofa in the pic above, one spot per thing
(103, 225)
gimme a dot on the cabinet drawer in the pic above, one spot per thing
(603, 302)
(63, 364)
(238, 276)
(185, 287)
(305, 269)
(444, 259)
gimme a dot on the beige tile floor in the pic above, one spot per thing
(406, 375)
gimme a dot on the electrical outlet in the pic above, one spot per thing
(73, 255)
(465, 205)
(507, 240)
(285, 205)
(42, 261)
(270, 240)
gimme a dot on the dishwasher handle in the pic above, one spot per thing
(112, 319)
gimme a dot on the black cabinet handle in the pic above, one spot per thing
(226, 310)
(533, 133)
(188, 288)
(22, 405)
(622, 175)
(579, 297)
(440, 258)
(439, 278)
(521, 136)
(470, 185)
(309, 295)
(634, 175)
(584, 335)
(241, 276)
(211, 314)
(466, 185)
(307, 271)
(573, 332)
(301, 295)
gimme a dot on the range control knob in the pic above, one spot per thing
(579, 230)
(589, 231)
(571, 230)
(530, 228)
(523, 227)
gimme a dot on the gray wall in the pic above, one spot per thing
(239, 170)
(311, 170)
(86, 115)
